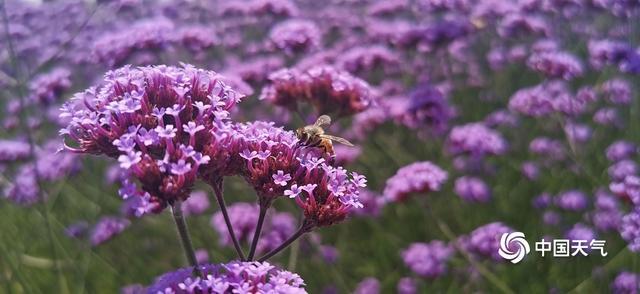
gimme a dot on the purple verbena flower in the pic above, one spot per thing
(329, 90)
(485, 240)
(626, 283)
(572, 200)
(428, 260)
(197, 203)
(472, 189)
(106, 229)
(475, 139)
(295, 36)
(414, 178)
(407, 286)
(620, 150)
(232, 277)
(630, 230)
(368, 286)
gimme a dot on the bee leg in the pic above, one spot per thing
(332, 159)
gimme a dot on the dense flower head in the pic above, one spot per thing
(259, 8)
(414, 178)
(295, 36)
(244, 218)
(328, 90)
(77, 229)
(114, 48)
(607, 116)
(577, 133)
(24, 188)
(630, 230)
(407, 285)
(386, 8)
(572, 200)
(475, 139)
(107, 228)
(608, 52)
(197, 38)
(428, 260)
(331, 200)
(369, 285)
(48, 165)
(581, 231)
(556, 65)
(547, 147)
(232, 277)
(628, 188)
(47, 88)
(257, 70)
(197, 203)
(551, 218)
(12, 150)
(436, 34)
(472, 189)
(329, 253)
(618, 91)
(530, 170)
(426, 109)
(621, 169)
(272, 161)
(620, 150)
(367, 58)
(545, 99)
(542, 201)
(626, 283)
(519, 24)
(485, 240)
(156, 121)
(501, 117)
(607, 215)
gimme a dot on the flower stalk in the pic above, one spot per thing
(217, 189)
(304, 228)
(185, 239)
(256, 234)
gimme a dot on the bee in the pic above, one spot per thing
(314, 136)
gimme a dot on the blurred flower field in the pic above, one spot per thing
(342, 146)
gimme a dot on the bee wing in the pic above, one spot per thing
(337, 139)
(323, 120)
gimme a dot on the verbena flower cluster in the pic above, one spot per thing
(414, 178)
(428, 260)
(327, 89)
(158, 122)
(170, 126)
(233, 277)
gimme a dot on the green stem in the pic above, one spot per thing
(183, 233)
(256, 233)
(217, 189)
(305, 227)
(293, 256)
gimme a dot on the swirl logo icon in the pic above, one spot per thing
(513, 247)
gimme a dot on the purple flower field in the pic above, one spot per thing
(341, 146)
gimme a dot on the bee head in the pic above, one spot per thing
(300, 133)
